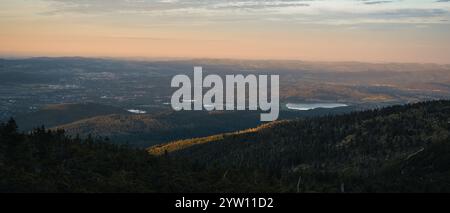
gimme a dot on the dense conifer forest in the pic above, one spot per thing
(395, 149)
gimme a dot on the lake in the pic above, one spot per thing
(309, 106)
(137, 111)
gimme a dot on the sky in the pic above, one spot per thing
(315, 30)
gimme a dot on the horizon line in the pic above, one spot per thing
(164, 58)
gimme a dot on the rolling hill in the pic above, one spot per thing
(143, 130)
(58, 114)
(381, 147)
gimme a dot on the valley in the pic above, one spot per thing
(128, 99)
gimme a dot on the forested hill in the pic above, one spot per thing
(407, 144)
(396, 149)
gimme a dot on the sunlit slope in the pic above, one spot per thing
(376, 150)
(183, 144)
(58, 114)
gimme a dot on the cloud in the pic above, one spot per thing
(376, 2)
(98, 6)
(298, 11)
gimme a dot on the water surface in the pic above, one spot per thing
(309, 106)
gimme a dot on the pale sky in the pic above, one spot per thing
(319, 30)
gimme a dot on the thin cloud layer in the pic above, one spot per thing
(303, 11)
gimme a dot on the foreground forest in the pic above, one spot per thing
(395, 149)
